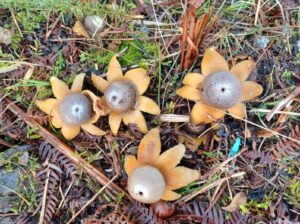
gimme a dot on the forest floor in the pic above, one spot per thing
(41, 178)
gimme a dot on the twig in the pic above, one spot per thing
(214, 170)
(283, 103)
(10, 68)
(64, 196)
(159, 30)
(265, 128)
(26, 63)
(42, 213)
(174, 118)
(52, 27)
(15, 192)
(257, 12)
(258, 110)
(91, 200)
(66, 150)
(16, 22)
(211, 185)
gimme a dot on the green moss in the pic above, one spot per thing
(59, 64)
(32, 133)
(29, 190)
(30, 20)
(292, 193)
(44, 92)
(69, 7)
(95, 57)
(137, 52)
(259, 206)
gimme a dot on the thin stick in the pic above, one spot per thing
(159, 30)
(15, 192)
(91, 200)
(262, 127)
(256, 110)
(26, 63)
(42, 213)
(52, 27)
(283, 103)
(16, 22)
(211, 185)
(214, 170)
(257, 12)
(174, 118)
(64, 196)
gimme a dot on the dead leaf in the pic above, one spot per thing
(192, 143)
(238, 200)
(80, 30)
(193, 30)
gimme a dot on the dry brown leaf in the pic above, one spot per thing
(80, 30)
(192, 143)
(238, 200)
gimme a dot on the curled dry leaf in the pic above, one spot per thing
(5, 36)
(80, 30)
(192, 143)
(238, 200)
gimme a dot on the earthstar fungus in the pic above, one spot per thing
(153, 176)
(5, 36)
(218, 88)
(123, 96)
(94, 24)
(72, 109)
